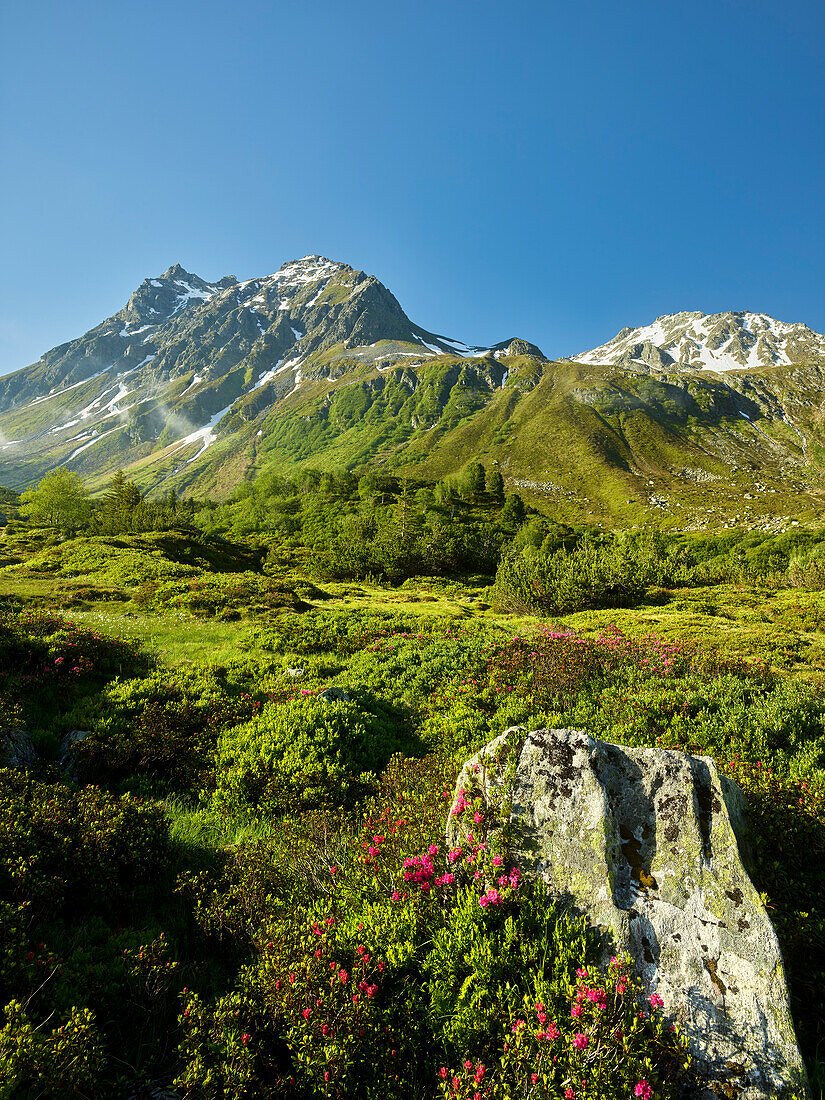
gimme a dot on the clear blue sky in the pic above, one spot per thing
(549, 170)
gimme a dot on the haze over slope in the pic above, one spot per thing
(200, 385)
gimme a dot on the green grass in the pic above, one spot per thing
(200, 833)
(177, 637)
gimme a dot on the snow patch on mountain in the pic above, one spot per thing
(205, 435)
(95, 439)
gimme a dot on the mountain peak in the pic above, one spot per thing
(156, 300)
(692, 340)
(176, 272)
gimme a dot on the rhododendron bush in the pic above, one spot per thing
(399, 967)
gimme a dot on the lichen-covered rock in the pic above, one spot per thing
(16, 749)
(333, 695)
(68, 756)
(644, 841)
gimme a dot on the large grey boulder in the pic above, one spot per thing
(644, 843)
(16, 749)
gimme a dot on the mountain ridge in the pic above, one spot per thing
(692, 340)
(199, 385)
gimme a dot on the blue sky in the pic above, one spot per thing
(553, 171)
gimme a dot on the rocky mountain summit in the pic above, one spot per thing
(199, 386)
(170, 366)
(179, 322)
(703, 341)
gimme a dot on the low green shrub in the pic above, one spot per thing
(806, 569)
(163, 727)
(48, 664)
(786, 817)
(61, 1063)
(397, 959)
(567, 581)
(64, 850)
(307, 752)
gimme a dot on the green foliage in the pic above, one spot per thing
(63, 850)
(64, 1062)
(495, 485)
(514, 511)
(787, 834)
(47, 665)
(289, 810)
(589, 576)
(376, 967)
(58, 500)
(306, 752)
(807, 569)
(164, 727)
(124, 509)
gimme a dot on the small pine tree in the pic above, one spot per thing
(495, 486)
(513, 511)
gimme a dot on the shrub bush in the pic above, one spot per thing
(163, 727)
(589, 576)
(404, 959)
(307, 752)
(64, 850)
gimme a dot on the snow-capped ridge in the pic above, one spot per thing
(695, 341)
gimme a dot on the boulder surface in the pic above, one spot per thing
(646, 843)
(16, 749)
